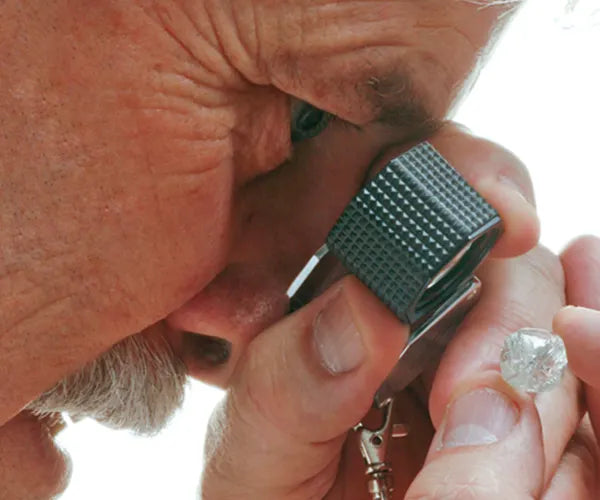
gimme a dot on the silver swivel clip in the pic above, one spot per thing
(373, 447)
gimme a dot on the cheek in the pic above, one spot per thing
(261, 135)
(176, 240)
(199, 223)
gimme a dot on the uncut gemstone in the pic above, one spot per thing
(533, 360)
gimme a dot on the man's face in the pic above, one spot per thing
(229, 209)
(169, 187)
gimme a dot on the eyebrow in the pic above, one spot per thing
(397, 103)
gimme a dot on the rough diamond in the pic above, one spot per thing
(533, 360)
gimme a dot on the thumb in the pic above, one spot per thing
(301, 385)
(489, 445)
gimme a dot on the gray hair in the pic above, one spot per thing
(138, 384)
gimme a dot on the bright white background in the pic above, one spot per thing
(540, 97)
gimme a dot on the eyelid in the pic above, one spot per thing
(347, 124)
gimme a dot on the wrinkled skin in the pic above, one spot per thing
(146, 169)
(130, 140)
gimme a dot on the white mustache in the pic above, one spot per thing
(138, 384)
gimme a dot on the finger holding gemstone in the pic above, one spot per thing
(533, 360)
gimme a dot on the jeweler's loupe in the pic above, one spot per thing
(414, 235)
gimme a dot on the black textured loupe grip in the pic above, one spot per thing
(415, 233)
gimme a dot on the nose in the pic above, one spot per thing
(280, 220)
(211, 331)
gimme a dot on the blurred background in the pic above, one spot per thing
(539, 96)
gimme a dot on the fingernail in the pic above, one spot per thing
(336, 338)
(211, 351)
(516, 188)
(462, 127)
(484, 416)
